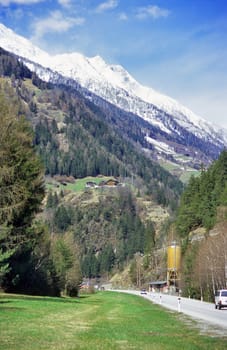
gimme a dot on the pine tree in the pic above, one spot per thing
(21, 183)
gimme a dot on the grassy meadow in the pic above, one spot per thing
(104, 321)
(78, 186)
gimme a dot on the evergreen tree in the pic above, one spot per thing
(52, 200)
(199, 202)
(107, 259)
(62, 218)
(21, 183)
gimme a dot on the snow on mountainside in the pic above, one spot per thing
(115, 85)
(20, 46)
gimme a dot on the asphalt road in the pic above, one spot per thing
(205, 313)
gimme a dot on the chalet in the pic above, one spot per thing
(91, 184)
(110, 183)
(160, 286)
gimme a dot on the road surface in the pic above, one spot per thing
(205, 313)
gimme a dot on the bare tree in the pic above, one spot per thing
(210, 268)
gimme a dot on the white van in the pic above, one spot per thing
(220, 298)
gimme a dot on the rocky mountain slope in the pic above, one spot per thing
(163, 128)
(74, 137)
(109, 224)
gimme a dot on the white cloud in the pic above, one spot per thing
(107, 5)
(56, 22)
(152, 11)
(123, 16)
(21, 2)
(64, 3)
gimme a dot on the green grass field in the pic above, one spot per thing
(79, 184)
(103, 321)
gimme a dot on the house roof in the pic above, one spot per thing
(157, 282)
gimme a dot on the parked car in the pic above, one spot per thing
(220, 298)
(143, 291)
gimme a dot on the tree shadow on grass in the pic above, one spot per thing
(5, 301)
(17, 297)
(10, 309)
(7, 298)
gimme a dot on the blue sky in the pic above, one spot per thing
(177, 47)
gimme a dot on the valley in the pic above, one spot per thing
(116, 171)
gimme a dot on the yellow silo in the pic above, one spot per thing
(173, 257)
(173, 264)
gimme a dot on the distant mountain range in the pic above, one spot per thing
(162, 127)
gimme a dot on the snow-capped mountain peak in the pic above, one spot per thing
(19, 45)
(94, 71)
(115, 85)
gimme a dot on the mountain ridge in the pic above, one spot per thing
(112, 83)
(73, 137)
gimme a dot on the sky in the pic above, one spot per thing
(177, 47)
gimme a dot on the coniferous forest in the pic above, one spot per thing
(53, 237)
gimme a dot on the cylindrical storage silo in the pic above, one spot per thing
(173, 257)
(173, 265)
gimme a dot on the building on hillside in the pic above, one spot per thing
(110, 183)
(91, 184)
(158, 286)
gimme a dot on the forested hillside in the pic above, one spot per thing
(91, 233)
(73, 138)
(52, 239)
(201, 223)
(202, 197)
